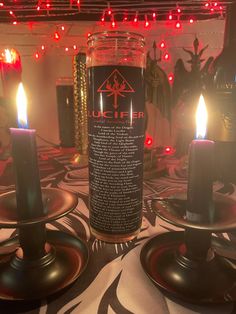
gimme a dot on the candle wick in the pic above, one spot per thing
(200, 137)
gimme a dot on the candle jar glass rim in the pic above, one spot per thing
(116, 48)
(118, 35)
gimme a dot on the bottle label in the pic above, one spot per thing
(116, 141)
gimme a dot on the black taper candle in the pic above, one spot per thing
(28, 191)
(200, 179)
(200, 176)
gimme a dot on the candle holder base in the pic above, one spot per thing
(190, 265)
(34, 267)
(22, 279)
(173, 210)
(209, 282)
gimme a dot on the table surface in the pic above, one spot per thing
(114, 281)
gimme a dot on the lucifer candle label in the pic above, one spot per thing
(116, 139)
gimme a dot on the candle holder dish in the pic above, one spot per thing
(39, 262)
(192, 264)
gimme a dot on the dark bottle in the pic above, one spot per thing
(222, 121)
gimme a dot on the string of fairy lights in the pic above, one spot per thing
(15, 11)
(112, 15)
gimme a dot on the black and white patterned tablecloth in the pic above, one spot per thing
(114, 281)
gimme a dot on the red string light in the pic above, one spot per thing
(37, 55)
(162, 44)
(135, 21)
(14, 23)
(171, 77)
(42, 47)
(66, 49)
(103, 18)
(178, 25)
(148, 141)
(154, 16)
(146, 23)
(169, 150)
(63, 28)
(191, 20)
(125, 18)
(113, 23)
(74, 47)
(166, 56)
(57, 36)
(1, 4)
(170, 17)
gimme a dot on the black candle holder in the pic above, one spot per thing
(190, 264)
(39, 262)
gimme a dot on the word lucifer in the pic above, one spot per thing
(116, 114)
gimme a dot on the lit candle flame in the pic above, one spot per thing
(8, 56)
(201, 118)
(21, 103)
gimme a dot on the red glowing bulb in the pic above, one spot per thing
(169, 150)
(148, 141)
(207, 5)
(146, 24)
(1, 4)
(135, 19)
(88, 34)
(11, 13)
(14, 23)
(109, 12)
(170, 17)
(43, 47)
(113, 24)
(179, 10)
(36, 55)
(103, 18)
(162, 44)
(74, 47)
(154, 15)
(38, 8)
(166, 56)
(62, 28)
(215, 4)
(191, 21)
(48, 5)
(171, 77)
(57, 36)
(178, 25)
(66, 49)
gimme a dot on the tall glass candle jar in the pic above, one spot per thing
(116, 63)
